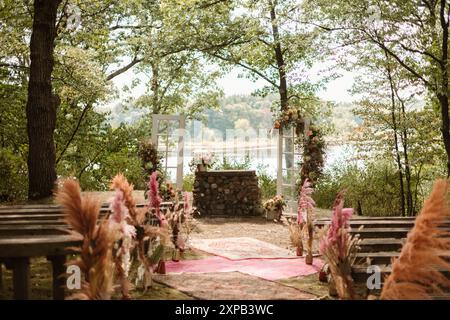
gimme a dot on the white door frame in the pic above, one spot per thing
(181, 119)
(281, 157)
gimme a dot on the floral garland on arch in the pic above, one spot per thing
(313, 155)
(290, 117)
(312, 141)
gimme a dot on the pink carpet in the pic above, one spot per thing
(269, 269)
(241, 248)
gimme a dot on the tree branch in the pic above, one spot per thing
(77, 127)
(259, 73)
(123, 69)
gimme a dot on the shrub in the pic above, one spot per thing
(14, 182)
(234, 164)
(188, 182)
(267, 183)
(372, 190)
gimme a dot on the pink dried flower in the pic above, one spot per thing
(153, 192)
(128, 230)
(120, 214)
(118, 208)
(186, 203)
(337, 235)
(305, 202)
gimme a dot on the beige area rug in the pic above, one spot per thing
(230, 286)
(240, 248)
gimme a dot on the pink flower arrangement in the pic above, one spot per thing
(155, 199)
(338, 235)
(120, 214)
(305, 202)
(153, 192)
(339, 248)
(186, 204)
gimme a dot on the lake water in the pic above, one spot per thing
(267, 161)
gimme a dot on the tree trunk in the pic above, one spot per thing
(443, 102)
(404, 137)
(282, 86)
(42, 104)
(394, 127)
(443, 90)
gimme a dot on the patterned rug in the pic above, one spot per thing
(241, 248)
(269, 269)
(230, 286)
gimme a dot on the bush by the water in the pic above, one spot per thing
(267, 183)
(372, 190)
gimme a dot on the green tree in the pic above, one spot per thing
(414, 34)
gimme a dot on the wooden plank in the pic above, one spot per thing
(7, 217)
(374, 245)
(39, 245)
(396, 233)
(378, 223)
(10, 231)
(21, 278)
(1, 275)
(59, 222)
(383, 258)
(393, 218)
(377, 257)
(59, 272)
(56, 207)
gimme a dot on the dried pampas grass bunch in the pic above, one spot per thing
(417, 273)
(295, 234)
(95, 259)
(305, 217)
(135, 234)
(339, 248)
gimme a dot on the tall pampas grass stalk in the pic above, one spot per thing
(95, 259)
(339, 248)
(417, 273)
(155, 204)
(134, 233)
(119, 220)
(305, 217)
(119, 182)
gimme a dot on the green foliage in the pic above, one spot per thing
(13, 170)
(234, 164)
(267, 184)
(372, 190)
(233, 108)
(188, 182)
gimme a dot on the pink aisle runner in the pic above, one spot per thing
(269, 269)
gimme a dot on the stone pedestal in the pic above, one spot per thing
(227, 193)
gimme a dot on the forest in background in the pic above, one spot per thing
(58, 127)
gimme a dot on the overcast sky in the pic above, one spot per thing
(336, 90)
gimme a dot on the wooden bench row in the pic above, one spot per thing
(36, 231)
(382, 239)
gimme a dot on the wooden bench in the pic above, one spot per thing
(16, 251)
(381, 240)
(28, 231)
